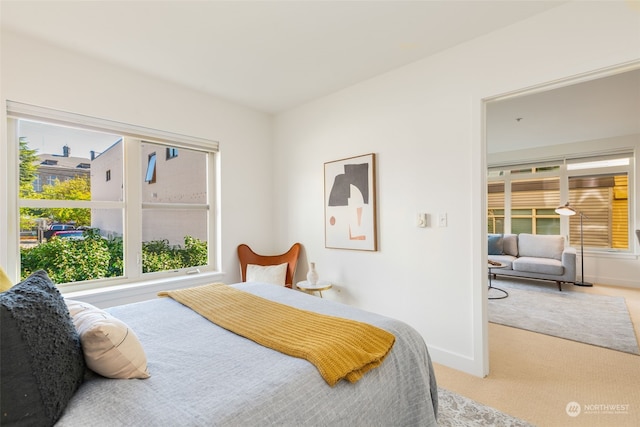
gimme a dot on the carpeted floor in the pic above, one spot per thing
(539, 307)
(534, 377)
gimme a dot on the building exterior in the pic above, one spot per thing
(173, 182)
(52, 167)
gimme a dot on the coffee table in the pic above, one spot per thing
(491, 268)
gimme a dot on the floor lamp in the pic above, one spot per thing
(567, 210)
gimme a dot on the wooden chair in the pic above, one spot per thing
(248, 256)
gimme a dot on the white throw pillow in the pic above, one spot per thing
(110, 347)
(276, 274)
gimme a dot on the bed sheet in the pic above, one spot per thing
(203, 375)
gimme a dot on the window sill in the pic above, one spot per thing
(124, 294)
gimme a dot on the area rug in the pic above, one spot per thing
(459, 411)
(539, 307)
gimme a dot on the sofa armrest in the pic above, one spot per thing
(569, 263)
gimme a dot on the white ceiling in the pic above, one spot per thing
(601, 108)
(275, 55)
(268, 55)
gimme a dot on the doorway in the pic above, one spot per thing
(594, 114)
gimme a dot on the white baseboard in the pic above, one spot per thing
(456, 361)
(615, 281)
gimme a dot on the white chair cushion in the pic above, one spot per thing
(275, 274)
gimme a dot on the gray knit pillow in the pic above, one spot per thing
(41, 360)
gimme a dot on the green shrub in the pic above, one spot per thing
(67, 260)
(158, 255)
(194, 253)
(116, 251)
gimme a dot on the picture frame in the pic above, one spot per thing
(350, 203)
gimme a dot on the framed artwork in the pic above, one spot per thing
(350, 203)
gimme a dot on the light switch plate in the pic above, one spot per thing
(442, 219)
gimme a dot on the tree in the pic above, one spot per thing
(28, 168)
(78, 188)
(28, 174)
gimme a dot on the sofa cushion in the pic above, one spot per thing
(507, 260)
(510, 244)
(538, 265)
(495, 244)
(540, 246)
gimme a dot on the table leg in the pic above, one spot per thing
(506, 294)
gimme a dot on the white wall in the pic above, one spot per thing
(33, 72)
(425, 121)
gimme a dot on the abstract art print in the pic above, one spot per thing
(350, 203)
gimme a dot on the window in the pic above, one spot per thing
(128, 231)
(597, 187)
(533, 204)
(37, 184)
(175, 213)
(172, 153)
(495, 202)
(603, 199)
(150, 177)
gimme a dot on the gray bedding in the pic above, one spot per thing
(203, 375)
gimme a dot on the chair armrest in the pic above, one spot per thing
(569, 263)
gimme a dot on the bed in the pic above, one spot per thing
(204, 375)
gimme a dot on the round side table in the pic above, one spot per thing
(491, 268)
(307, 287)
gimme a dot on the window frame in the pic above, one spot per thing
(132, 205)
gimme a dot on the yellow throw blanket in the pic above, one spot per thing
(339, 348)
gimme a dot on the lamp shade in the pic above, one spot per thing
(565, 210)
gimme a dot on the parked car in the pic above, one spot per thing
(53, 228)
(69, 234)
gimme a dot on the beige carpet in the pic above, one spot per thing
(534, 377)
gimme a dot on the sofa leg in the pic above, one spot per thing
(559, 285)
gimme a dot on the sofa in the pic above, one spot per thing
(534, 256)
